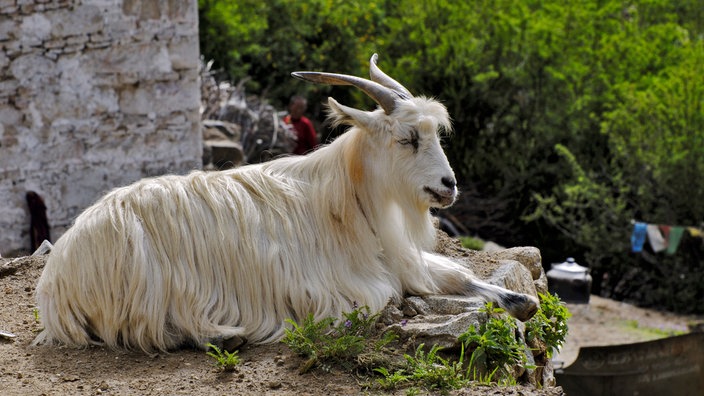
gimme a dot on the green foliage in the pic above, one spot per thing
(224, 360)
(571, 209)
(428, 370)
(333, 341)
(495, 349)
(231, 33)
(495, 346)
(571, 117)
(549, 325)
(391, 380)
(471, 243)
(272, 38)
(432, 371)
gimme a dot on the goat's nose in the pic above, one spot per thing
(448, 182)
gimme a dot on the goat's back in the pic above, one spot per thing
(189, 258)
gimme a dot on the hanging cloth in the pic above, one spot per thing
(673, 239)
(657, 242)
(695, 232)
(638, 237)
(665, 231)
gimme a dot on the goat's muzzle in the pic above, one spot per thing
(442, 197)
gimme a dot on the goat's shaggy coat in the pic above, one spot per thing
(208, 256)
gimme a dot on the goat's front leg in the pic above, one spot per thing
(452, 278)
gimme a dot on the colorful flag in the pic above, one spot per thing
(638, 237)
(695, 232)
(673, 239)
(657, 242)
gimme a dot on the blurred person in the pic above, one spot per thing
(307, 138)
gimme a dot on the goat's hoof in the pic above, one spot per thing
(229, 344)
(521, 306)
(233, 343)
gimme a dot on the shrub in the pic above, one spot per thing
(549, 325)
(495, 345)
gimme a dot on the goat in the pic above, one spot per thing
(228, 256)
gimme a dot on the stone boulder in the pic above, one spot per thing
(441, 319)
(221, 145)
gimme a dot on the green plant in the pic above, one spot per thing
(224, 360)
(495, 349)
(469, 242)
(330, 340)
(495, 345)
(435, 372)
(389, 380)
(35, 313)
(549, 325)
(412, 391)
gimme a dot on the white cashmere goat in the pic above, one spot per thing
(229, 256)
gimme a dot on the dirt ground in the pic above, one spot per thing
(27, 370)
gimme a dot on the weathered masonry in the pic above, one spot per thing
(94, 94)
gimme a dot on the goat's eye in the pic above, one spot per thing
(412, 141)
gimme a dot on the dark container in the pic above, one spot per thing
(668, 366)
(570, 281)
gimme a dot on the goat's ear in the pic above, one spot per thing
(343, 115)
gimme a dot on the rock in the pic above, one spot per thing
(492, 247)
(224, 154)
(222, 148)
(221, 130)
(528, 256)
(513, 276)
(441, 319)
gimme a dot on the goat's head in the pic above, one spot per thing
(402, 147)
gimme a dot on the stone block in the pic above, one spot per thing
(35, 29)
(83, 19)
(184, 53)
(8, 29)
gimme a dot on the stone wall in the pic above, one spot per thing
(94, 94)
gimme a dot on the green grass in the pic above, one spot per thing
(333, 341)
(650, 333)
(224, 360)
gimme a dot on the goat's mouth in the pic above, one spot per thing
(440, 198)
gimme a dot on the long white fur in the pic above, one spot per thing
(178, 259)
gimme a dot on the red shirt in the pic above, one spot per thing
(305, 133)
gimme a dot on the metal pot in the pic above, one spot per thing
(570, 281)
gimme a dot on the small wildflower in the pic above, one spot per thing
(348, 323)
(404, 322)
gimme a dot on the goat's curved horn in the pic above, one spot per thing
(382, 78)
(384, 96)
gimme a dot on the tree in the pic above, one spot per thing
(571, 118)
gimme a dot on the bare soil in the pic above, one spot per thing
(270, 369)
